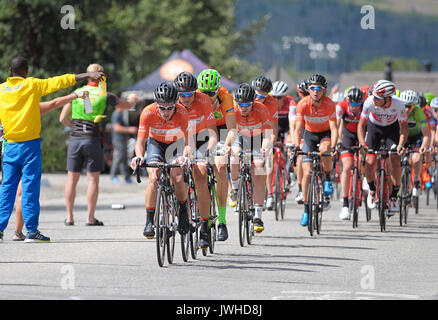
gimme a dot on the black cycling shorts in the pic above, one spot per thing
(312, 140)
(157, 151)
(375, 134)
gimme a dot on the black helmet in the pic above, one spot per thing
(318, 79)
(244, 93)
(166, 92)
(355, 95)
(262, 83)
(186, 82)
(302, 87)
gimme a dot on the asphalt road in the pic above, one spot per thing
(116, 262)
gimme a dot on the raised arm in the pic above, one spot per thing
(61, 101)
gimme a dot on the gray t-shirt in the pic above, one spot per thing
(118, 118)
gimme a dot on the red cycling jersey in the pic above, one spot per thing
(343, 111)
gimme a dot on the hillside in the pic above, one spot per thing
(427, 7)
(401, 30)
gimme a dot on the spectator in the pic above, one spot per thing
(20, 114)
(44, 108)
(121, 132)
(85, 145)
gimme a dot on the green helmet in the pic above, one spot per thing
(346, 91)
(397, 93)
(209, 80)
(429, 97)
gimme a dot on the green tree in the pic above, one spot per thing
(128, 38)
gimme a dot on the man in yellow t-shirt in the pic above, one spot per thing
(20, 114)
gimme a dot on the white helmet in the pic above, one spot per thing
(409, 97)
(383, 89)
(279, 88)
(434, 103)
(338, 97)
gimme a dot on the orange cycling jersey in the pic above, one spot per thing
(154, 126)
(316, 119)
(200, 114)
(225, 108)
(256, 122)
(272, 106)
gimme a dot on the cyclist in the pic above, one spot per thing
(263, 86)
(163, 130)
(348, 116)
(302, 87)
(419, 134)
(434, 106)
(254, 133)
(384, 117)
(202, 141)
(317, 115)
(284, 104)
(223, 108)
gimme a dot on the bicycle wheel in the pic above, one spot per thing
(242, 209)
(171, 227)
(313, 203)
(284, 186)
(354, 208)
(382, 203)
(160, 223)
(212, 223)
(404, 196)
(319, 210)
(415, 203)
(367, 209)
(277, 193)
(249, 216)
(194, 227)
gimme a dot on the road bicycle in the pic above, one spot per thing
(406, 187)
(383, 183)
(213, 215)
(165, 220)
(245, 200)
(280, 183)
(356, 193)
(191, 240)
(316, 191)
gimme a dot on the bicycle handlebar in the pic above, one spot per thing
(158, 165)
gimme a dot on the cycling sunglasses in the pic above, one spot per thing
(355, 104)
(186, 94)
(279, 97)
(210, 93)
(166, 108)
(245, 104)
(316, 88)
(260, 96)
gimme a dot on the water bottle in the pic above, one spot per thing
(118, 206)
(426, 180)
(87, 105)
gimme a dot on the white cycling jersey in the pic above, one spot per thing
(384, 117)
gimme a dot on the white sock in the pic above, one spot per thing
(235, 184)
(258, 212)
